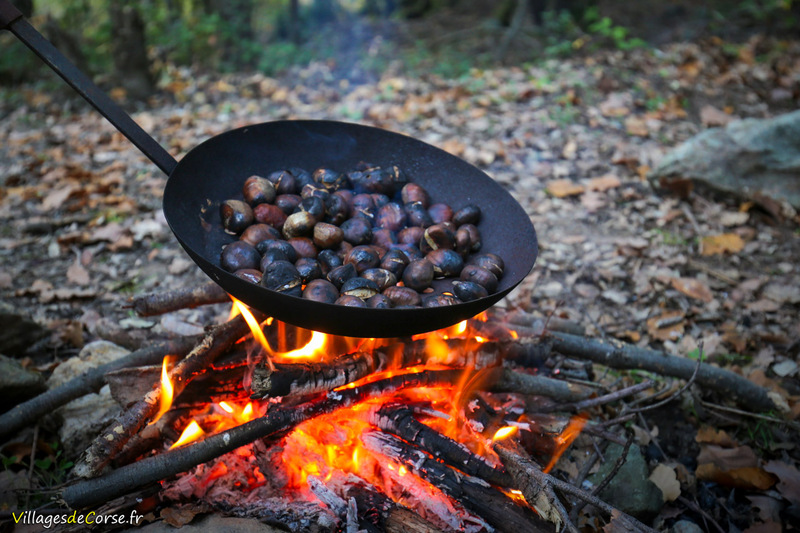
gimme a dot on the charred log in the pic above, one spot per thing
(161, 302)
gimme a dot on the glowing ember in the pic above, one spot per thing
(225, 407)
(563, 441)
(504, 433)
(167, 391)
(192, 433)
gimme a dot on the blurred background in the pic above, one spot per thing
(134, 45)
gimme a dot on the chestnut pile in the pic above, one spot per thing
(367, 238)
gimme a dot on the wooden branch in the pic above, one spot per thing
(496, 508)
(507, 380)
(617, 354)
(130, 477)
(91, 381)
(158, 303)
(399, 420)
(531, 481)
(106, 446)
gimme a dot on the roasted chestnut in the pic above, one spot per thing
(414, 193)
(327, 235)
(391, 216)
(402, 296)
(479, 275)
(239, 255)
(468, 239)
(321, 290)
(270, 256)
(410, 235)
(446, 263)
(258, 190)
(395, 261)
(469, 214)
(466, 291)
(270, 214)
(271, 244)
(440, 213)
(357, 231)
(418, 275)
(303, 246)
(382, 277)
(288, 202)
(337, 209)
(364, 206)
(302, 177)
(314, 190)
(330, 179)
(300, 224)
(417, 215)
(309, 268)
(437, 237)
(360, 287)
(259, 232)
(283, 277)
(383, 238)
(314, 206)
(284, 182)
(491, 262)
(349, 300)
(329, 260)
(363, 257)
(379, 301)
(249, 274)
(439, 300)
(236, 215)
(340, 274)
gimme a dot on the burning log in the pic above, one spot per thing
(496, 508)
(113, 438)
(130, 477)
(161, 302)
(29, 412)
(399, 420)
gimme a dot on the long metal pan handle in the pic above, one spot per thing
(11, 19)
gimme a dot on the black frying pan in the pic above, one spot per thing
(215, 170)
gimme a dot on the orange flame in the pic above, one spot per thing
(568, 435)
(504, 433)
(312, 348)
(167, 391)
(192, 433)
(258, 333)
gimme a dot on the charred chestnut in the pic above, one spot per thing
(446, 263)
(327, 235)
(329, 260)
(414, 193)
(391, 216)
(402, 296)
(259, 232)
(383, 238)
(468, 239)
(330, 179)
(340, 274)
(360, 288)
(439, 300)
(271, 244)
(348, 300)
(466, 291)
(481, 276)
(381, 277)
(417, 215)
(300, 224)
(411, 251)
(364, 206)
(395, 261)
(410, 235)
(418, 275)
(236, 215)
(239, 255)
(337, 209)
(437, 237)
(258, 190)
(249, 274)
(321, 290)
(357, 231)
(314, 206)
(379, 301)
(440, 213)
(491, 262)
(283, 277)
(362, 257)
(302, 177)
(270, 214)
(270, 256)
(314, 190)
(288, 202)
(309, 269)
(283, 181)
(469, 214)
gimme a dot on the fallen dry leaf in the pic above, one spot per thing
(564, 187)
(77, 273)
(709, 435)
(722, 243)
(789, 480)
(693, 288)
(711, 116)
(637, 126)
(733, 467)
(57, 197)
(666, 326)
(665, 479)
(604, 183)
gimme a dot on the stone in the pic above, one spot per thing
(630, 490)
(17, 384)
(747, 158)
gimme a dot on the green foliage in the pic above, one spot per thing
(563, 35)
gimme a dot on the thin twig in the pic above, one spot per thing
(32, 460)
(607, 398)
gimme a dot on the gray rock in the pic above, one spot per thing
(17, 384)
(685, 526)
(630, 490)
(745, 158)
(18, 332)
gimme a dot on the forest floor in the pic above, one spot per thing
(571, 139)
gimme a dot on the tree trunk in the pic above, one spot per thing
(131, 67)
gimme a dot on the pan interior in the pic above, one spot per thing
(215, 171)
